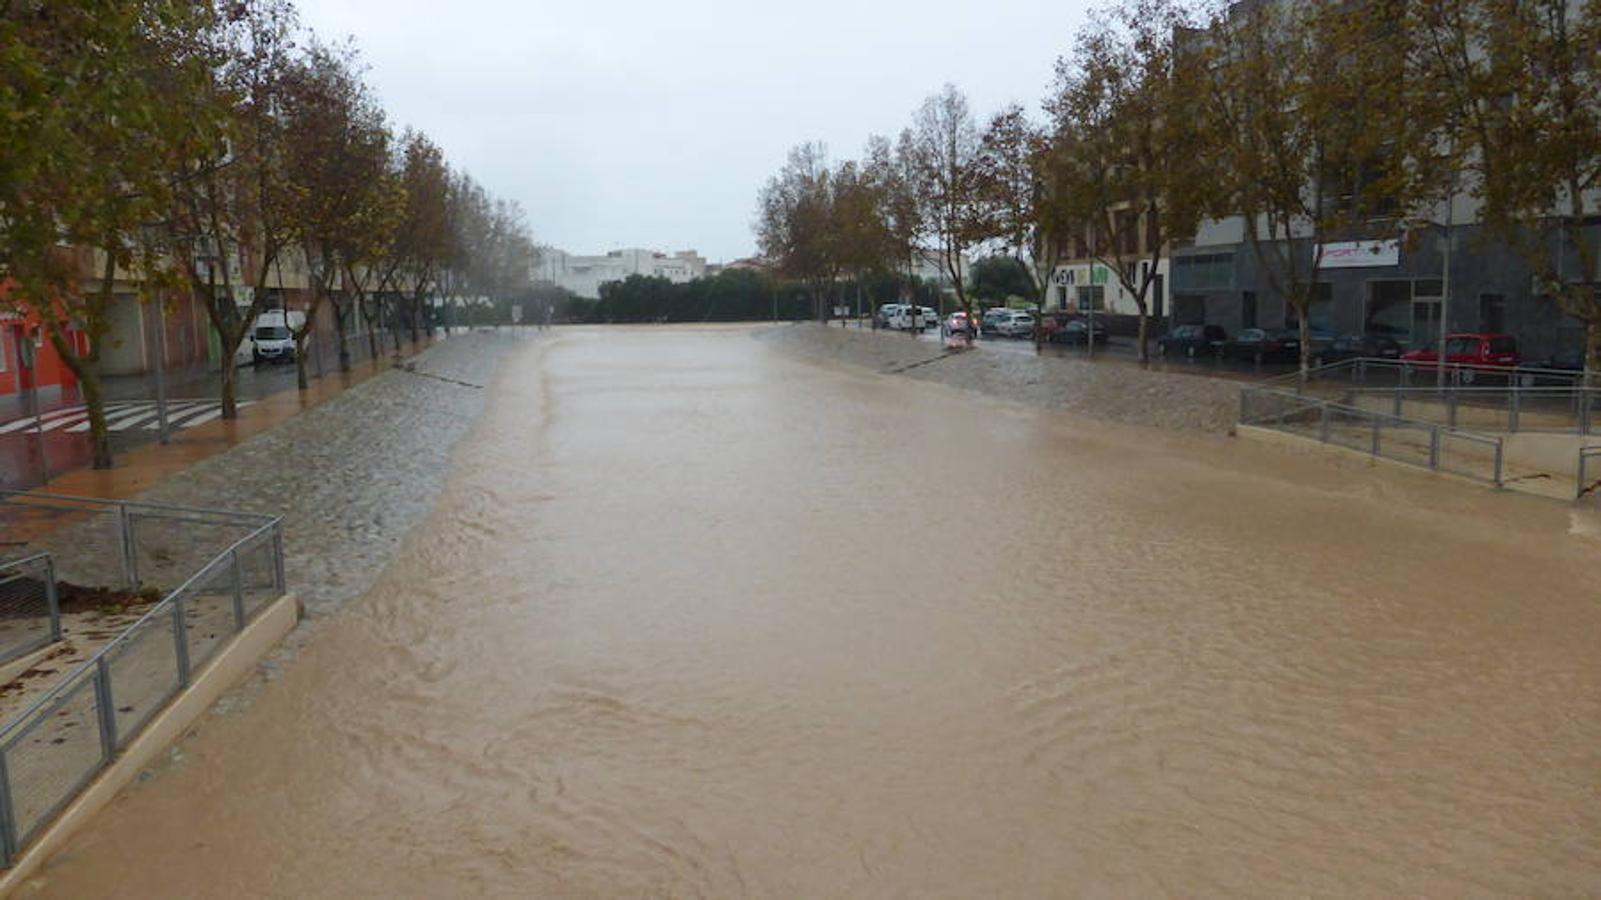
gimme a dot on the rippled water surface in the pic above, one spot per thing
(694, 618)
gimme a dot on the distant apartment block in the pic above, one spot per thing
(583, 275)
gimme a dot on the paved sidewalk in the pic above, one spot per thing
(140, 461)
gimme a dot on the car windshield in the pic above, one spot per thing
(272, 333)
(1462, 345)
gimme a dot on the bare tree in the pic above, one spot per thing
(795, 222)
(943, 144)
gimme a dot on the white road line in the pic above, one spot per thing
(26, 424)
(144, 411)
(125, 415)
(174, 411)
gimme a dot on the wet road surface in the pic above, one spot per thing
(694, 618)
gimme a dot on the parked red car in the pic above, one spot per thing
(1478, 350)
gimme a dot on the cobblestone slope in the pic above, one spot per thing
(353, 475)
(1113, 391)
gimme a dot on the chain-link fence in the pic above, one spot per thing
(1413, 441)
(30, 616)
(213, 570)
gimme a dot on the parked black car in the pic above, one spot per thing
(1076, 332)
(1561, 369)
(1191, 341)
(1256, 344)
(1352, 346)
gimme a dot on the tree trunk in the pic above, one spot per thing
(1592, 352)
(372, 331)
(230, 398)
(1306, 340)
(339, 335)
(94, 400)
(1144, 336)
(302, 381)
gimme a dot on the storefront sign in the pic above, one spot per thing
(1361, 254)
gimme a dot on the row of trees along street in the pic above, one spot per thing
(208, 147)
(1311, 122)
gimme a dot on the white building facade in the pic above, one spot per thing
(583, 275)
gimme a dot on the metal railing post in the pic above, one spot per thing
(279, 583)
(1578, 478)
(1513, 405)
(1497, 462)
(130, 558)
(52, 599)
(1585, 408)
(180, 639)
(238, 591)
(8, 818)
(107, 712)
(1396, 406)
(1434, 447)
(1450, 407)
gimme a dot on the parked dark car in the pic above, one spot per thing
(1566, 361)
(1077, 332)
(1353, 346)
(1192, 341)
(1261, 345)
(1561, 369)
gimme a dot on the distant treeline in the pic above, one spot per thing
(736, 295)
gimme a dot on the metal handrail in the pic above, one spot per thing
(1422, 365)
(1437, 432)
(68, 503)
(67, 680)
(1531, 390)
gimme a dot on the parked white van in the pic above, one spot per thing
(272, 337)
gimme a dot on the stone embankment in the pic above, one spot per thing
(1113, 390)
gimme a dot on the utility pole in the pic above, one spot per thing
(1445, 274)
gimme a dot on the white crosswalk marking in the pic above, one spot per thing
(123, 415)
(56, 415)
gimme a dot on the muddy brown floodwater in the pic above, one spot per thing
(696, 618)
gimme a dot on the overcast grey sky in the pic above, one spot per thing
(653, 124)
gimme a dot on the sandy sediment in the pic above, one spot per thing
(1112, 390)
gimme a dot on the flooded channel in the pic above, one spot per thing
(694, 618)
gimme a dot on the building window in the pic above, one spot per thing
(1321, 312)
(1492, 313)
(1203, 273)
(1091, 297)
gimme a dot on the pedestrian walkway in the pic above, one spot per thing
(196, 431)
